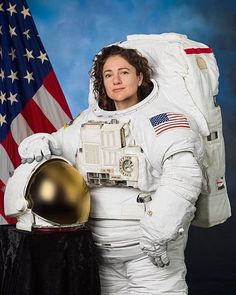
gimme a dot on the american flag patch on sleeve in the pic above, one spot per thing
(167, 121)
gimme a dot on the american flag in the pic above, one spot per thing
(167, 121)
(31, 99)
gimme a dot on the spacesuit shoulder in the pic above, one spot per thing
(76, 120)
(68, 136)
(163, 134)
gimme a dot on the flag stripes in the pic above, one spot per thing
(31, 99)
(167, 121)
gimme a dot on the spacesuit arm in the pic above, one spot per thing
(67, 139)
(63, 142)
(173, 205)
(175, 155)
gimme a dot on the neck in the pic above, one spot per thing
(122, 105)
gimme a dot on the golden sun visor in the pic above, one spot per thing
(51, 192)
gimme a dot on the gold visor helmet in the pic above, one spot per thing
(55, 194)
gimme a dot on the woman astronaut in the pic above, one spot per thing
(141, 158)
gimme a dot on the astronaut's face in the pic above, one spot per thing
(121, 82)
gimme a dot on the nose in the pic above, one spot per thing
(116, 79)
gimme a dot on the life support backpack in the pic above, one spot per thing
(176, 60)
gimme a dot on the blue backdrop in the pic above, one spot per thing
(74, 31)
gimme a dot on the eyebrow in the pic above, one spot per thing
(118, 70)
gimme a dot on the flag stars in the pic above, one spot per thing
(2, 76)
(13, 76)
(25, 12)
(29, 76)
(26, 33)
(1, 52)
(12, 98)
(12, 31)
(12, 54)
(0, 30)
(11, 9)
(1, 5)
(42, 56)
(2, 97)
(28, 54)
(2, 120)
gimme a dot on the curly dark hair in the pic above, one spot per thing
(133, 57)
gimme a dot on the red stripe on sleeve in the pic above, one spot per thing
(198, 50)
(36, 119)
(54, 88)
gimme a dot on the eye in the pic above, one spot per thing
(124, 72)
(106, 76)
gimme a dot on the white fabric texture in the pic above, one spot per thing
(177, 192)
(126, 270)
(122, 204)
(173, 158)
(187, 71)
(37, 146)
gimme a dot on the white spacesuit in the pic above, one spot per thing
(143, 168)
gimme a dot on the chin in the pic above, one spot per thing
(118, 99)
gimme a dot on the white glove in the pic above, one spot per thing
(156, 252)
(37, 146)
